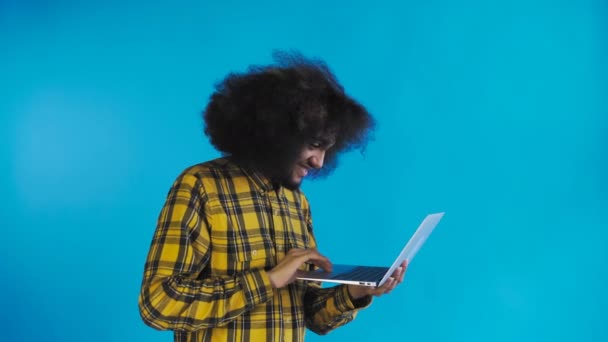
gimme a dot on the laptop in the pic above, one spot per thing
(371, 275)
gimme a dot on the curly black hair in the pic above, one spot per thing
(263, 117)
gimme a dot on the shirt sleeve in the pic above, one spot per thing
(329, 308)
(173, 295)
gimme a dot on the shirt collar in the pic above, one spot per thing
(261, 182)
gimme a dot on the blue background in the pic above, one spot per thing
(494, 112)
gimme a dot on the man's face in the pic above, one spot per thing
(311, 156)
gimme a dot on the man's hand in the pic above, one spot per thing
(396, 278)
(285, 272)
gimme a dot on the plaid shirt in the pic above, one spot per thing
(219, 231)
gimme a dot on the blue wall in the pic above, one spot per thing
(493, 112)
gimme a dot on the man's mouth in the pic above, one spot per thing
(303, 171)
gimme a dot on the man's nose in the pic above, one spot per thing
(316, 160)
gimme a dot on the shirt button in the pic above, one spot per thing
(254, 252)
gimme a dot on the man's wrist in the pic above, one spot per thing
(359, 298)
(354, 292)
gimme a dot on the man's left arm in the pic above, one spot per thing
(329, 308)
(326, 309)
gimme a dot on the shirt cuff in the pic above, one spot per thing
(345, 303)
(257, 287)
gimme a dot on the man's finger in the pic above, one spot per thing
(389, 282)
(325, 264)
(400, 274)
(319, 260)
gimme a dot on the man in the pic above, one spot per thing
(234, 231)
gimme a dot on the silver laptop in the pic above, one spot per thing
(371, 275)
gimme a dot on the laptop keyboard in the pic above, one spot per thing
(367, 273)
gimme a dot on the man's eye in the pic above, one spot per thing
(315, 145)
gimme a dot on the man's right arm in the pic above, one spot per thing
(172, 297)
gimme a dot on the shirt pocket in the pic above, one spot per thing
(238, 245)
(299, 235)
(254, 250)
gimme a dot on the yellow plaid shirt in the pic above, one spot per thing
(205, 278)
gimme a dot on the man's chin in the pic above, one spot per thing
(292, 184)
